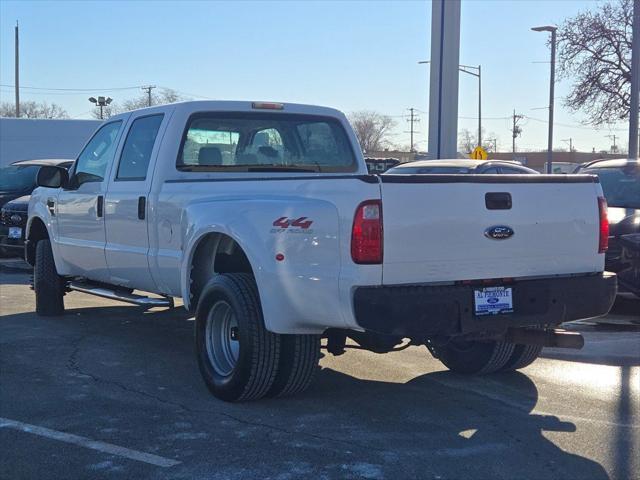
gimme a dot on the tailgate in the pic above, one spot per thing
(438, 227)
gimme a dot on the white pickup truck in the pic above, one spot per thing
(262, 218)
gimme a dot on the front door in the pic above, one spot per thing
(80, 208)
(126, 205)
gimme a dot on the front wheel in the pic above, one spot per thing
(474, 356)
(237, 356)
(48, 285)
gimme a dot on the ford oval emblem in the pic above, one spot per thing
(499, 232)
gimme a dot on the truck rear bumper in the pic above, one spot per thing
(427, 310)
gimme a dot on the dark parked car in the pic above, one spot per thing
(462, 166)
(620, 180)
(17, 181)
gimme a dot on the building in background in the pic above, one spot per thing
(28, 139)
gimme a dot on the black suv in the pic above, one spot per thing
(17, 181)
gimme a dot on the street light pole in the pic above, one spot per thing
(552, 81)
(479, 105)
(101, 102)
(635, 82)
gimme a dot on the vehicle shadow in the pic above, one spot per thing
(469, 427)
(439, 423)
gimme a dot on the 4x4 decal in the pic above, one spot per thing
(292, 225)
(286, 222)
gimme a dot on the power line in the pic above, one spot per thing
(22, 87)
(485, 118)
(567, 125)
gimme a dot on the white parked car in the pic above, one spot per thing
(263, 219)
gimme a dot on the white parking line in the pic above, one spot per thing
(103, 447)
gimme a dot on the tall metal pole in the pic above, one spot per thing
(17, 79)
(552, 82)
(443, 89)
(480, 105)
(635, 82)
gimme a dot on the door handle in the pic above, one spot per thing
(100, 206)
(142, 207)
(51, 205)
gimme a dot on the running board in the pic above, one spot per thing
(139, 300)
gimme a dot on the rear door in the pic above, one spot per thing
(80, 208)
(438, 228)
(127, 209)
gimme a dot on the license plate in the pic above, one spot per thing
(15, 232)
(493, 300)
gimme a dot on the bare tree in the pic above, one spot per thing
(468, 140)
(107, 111)
(594, 50)
(31, 109)
(372, 129)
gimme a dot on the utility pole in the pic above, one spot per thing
(413, 119)
(614, 148)
(17, 79)
(494, 142)
(516, 129)
(148, 88)
(570, 142)
(635, 82)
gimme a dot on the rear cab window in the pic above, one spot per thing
(136, 153)
(256, 141)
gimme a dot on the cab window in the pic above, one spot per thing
(136, 153)
(94, 159)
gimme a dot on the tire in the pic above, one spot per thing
(299, 356)
(474, 357)
(48, 285)
(522, 356)
(237, 356)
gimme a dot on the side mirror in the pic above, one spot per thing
(52, 177)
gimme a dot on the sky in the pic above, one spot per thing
(351, 55)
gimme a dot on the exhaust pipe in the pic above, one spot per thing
(557, 338)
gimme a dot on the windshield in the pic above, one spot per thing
(621, 186)
(426, 170)
(265, 142)
(15, 178)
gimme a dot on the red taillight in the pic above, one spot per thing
(603, 244)
(366, 236)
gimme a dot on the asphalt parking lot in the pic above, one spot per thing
(109, 391)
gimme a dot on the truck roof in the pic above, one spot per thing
(244, 106)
